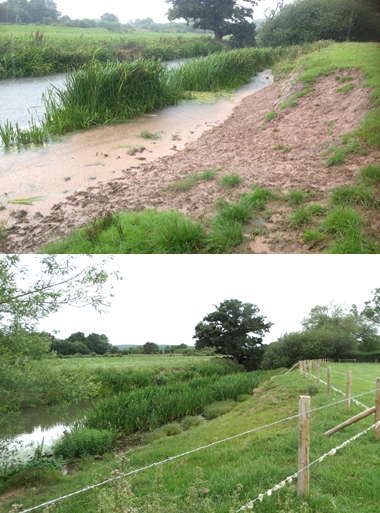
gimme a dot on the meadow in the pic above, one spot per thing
(225, 477)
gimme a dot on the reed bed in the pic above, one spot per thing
(152, 406)
(227, 69)
(99, 94)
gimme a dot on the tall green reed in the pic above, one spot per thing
(152, 406)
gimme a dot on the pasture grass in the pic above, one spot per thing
(230, 181)
(257, 461)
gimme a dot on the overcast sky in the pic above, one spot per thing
(163, 297)
(127, 10)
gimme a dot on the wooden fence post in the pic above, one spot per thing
(376, 433)
(318, 373)
(304, 368)
(328, 380)
(300, 367)
(303, 446)
(348, 391)
(310, 364)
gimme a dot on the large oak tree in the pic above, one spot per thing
(235, 329)
(220, 16)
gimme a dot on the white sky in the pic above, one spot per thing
(163, 297)
(127, 10)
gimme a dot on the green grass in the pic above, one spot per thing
(270, 116)
(295, 197)
(149, 135)
(166, 232)
(300, 217)
(353, 195)
(192, 180)
(344, 482)
(292, 102)
(36, 51)
(345, 88)
(230, 181)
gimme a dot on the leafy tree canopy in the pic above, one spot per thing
(235, 329)
(220, 16)
(150, 348)
(328, 332)
(109, 17)
(312, 20)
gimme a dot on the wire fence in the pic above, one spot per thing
(213, 444)
(289, 479)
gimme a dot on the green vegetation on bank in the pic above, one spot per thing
(149, 407)
(37, 54)
(165, 232)
(234, 472)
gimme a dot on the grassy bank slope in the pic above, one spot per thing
(347, 482)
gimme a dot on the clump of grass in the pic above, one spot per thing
(192, 180)
(336, 159)
(129, 232)
(345, 79)
(257, 199)
(342, 220)
(352, 195)
(230, 181)
(292, 102)
(300, 217)
(370, 174)
(295, 197)
(345, 88)
(316, 210)
(149, 135)
(234, 211)
(224, 235)
(310, 236)
(207, 174)
(84, 442)
(270, 116)
(282, 147)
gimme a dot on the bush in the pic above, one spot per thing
(84, 442)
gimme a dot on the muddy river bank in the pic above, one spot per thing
(87, 158)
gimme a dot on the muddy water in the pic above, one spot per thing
(42, 427)
(86, 158)
(20, 98)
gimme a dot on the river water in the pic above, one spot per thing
(84, 159)
(42, 426)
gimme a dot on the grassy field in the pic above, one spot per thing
(63, 33)
(135, 362)
(363, 379)
(347, 482)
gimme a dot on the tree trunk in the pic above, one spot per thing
(218, 34)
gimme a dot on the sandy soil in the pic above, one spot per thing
(242, 144)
